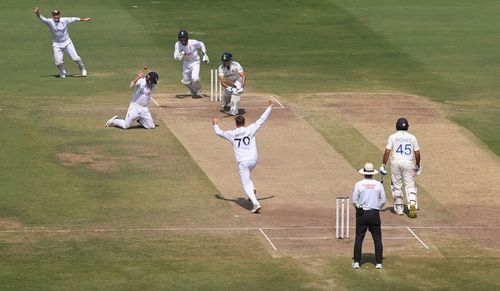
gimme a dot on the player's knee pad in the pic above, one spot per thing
(396, 191)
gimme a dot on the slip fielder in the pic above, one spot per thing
(61, 42)
(244, 146)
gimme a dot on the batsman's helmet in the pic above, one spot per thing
(402, 124)
(226, 57)
(152, 77)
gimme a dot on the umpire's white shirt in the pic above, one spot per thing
(368, 194)
(60, 36)
(190, 50)
(243, 138)
(403, 146)
(142, 93)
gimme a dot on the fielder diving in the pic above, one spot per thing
(405, 166)
(187, 49)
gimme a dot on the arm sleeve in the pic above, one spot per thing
(389, 143)
(355, 196)
(416, 147)
(382, 197)
(263, 118)
(176, 50)
(43, 19)
(201, 46)
(221, 133)
(72, 19)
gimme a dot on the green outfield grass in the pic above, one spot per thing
(61, 168)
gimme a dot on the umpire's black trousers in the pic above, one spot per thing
(368, 219)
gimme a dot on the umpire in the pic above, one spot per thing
(368, 197)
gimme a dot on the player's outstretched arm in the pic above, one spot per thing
(86, 19)
(137, 77)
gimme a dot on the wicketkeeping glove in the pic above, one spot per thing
(383, 171)
(205, 59)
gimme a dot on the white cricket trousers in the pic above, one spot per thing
(403, 172)
(245, 168)
(70, 49)
(136, 111)
(190, 72)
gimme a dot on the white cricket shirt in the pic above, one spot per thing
(243, 138)
(59, 29)
(232, 73)
(142, 93)
(190, 50)
(403, 146)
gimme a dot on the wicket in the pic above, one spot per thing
(339, 232)
(215, 87)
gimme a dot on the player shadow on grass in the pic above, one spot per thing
(242, 202)
(182, 96)
(67, 76)
(368, 258)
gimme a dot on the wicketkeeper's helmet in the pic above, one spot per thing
(183, 34)
(402, 124)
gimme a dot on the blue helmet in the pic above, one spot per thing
(402, 124)
(153, 77)
(226, 57)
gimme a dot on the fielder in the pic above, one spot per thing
(60, 39)
(245, 150)
(405, 166)
(187, 49)
(233, 79)
(138, 108)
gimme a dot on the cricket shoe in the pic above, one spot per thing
(62, 76)
(399, 209)
(256, 209)
(379, 266)
(355, 265)
(84, 72)
(110, 122)
(413, 211)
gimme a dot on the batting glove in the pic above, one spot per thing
(179, 56)
(238, 91)
(383, 171)
(205, 59)
(418, 170)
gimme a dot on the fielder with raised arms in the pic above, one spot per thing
(61, 42)
(187, 49)
(245, 149)
(405, 165)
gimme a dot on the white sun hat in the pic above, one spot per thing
(368, 169)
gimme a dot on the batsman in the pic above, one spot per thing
(405, 166)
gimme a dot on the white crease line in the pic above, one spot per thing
(270, 242)
(278, 102)
(210, 108)
(331, 237)
(409, 229)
